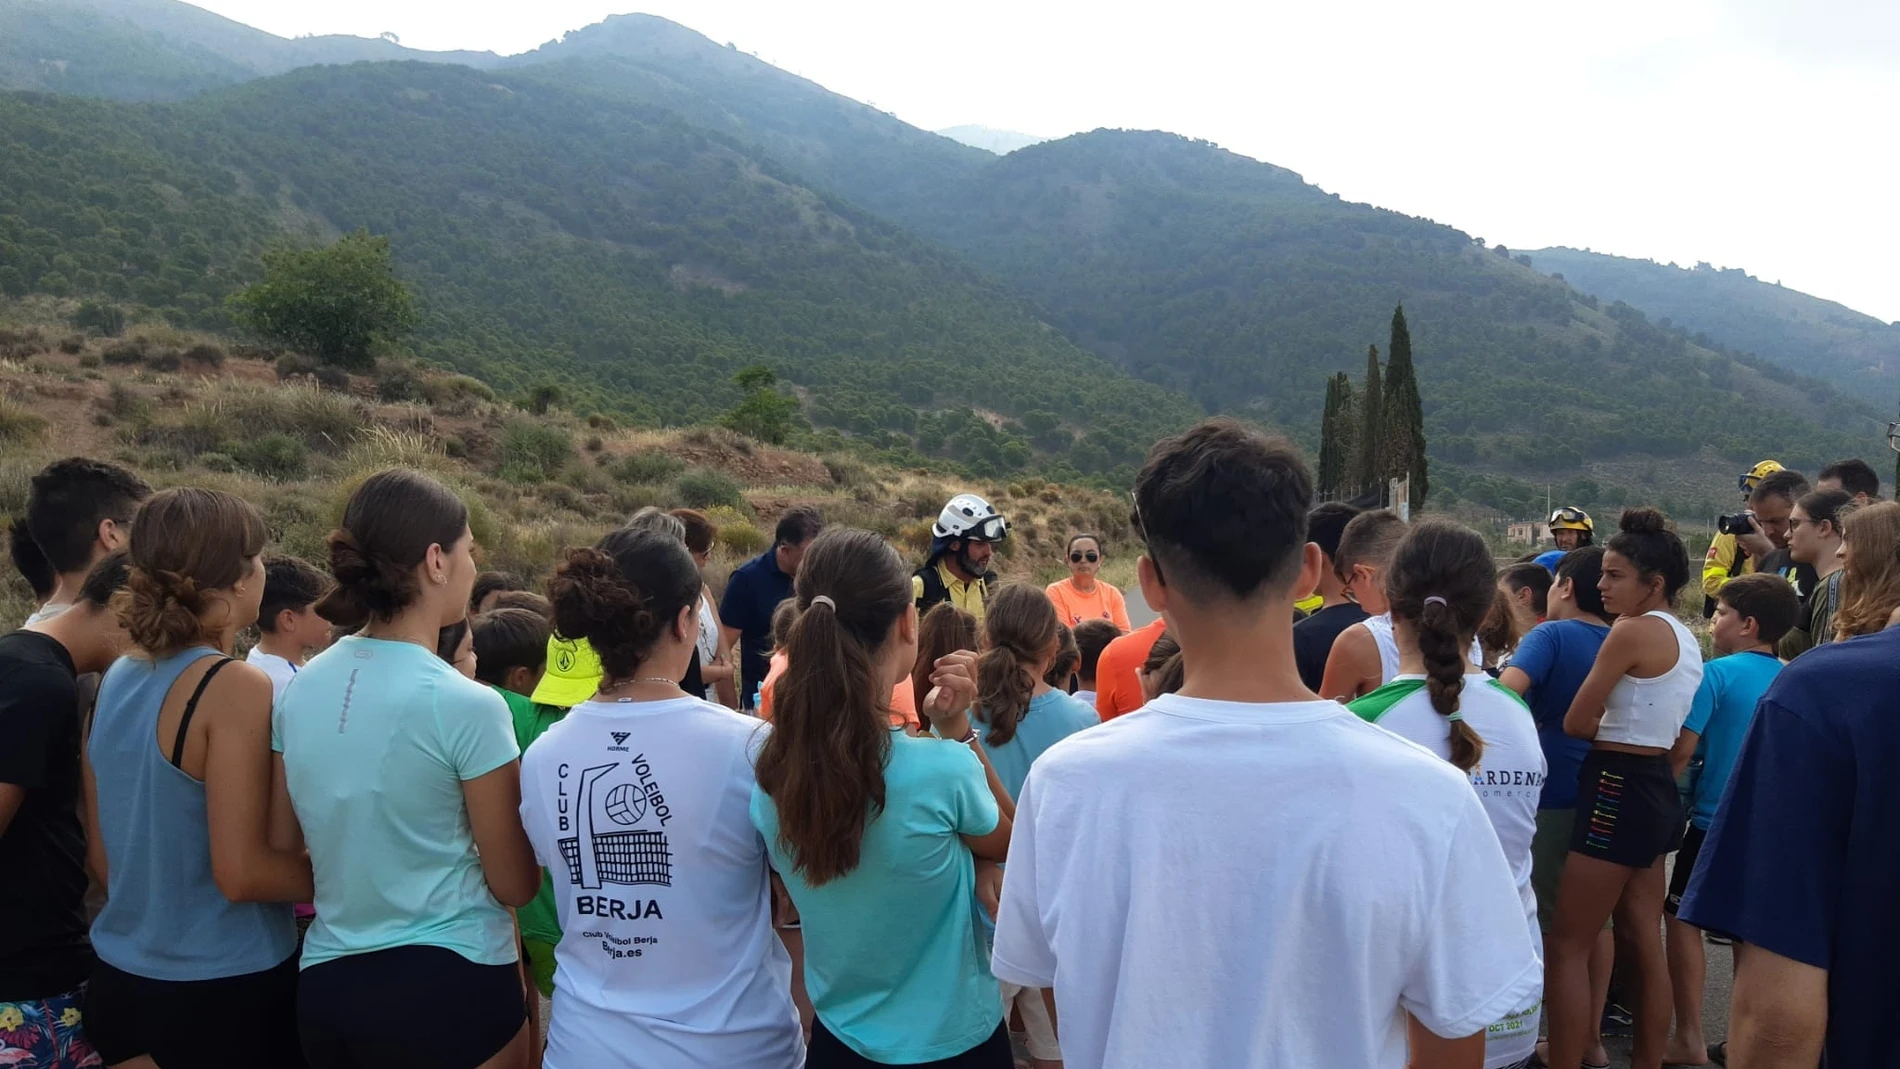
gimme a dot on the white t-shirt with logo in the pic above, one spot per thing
(1254, 887)
(280, 670)
(1509, 778)
(640, 811)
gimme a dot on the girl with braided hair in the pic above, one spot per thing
(1441, 586)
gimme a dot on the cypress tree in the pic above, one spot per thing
(1371, 426)
(1403, 448)
(1348, 443)
(1328, 476)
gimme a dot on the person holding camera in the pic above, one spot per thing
(1771, 515)
(1746, 540)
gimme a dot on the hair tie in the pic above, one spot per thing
(1456, 715)
(822, 600)
(1436, 600)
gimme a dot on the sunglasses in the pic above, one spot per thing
(1091, 556)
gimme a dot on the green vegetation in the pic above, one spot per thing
(1731, 309)
(764, 413)
(1371, 425)
(333, 302)
(1402, 453)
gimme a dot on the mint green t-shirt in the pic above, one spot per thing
(378, 738)
(892, 956)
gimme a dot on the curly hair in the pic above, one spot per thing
(623, 594)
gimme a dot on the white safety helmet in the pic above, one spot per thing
(971, 518)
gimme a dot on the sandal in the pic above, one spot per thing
(1718, 1053)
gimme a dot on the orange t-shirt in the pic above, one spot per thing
(1103, 603)
(903, 701)
(1117, 674)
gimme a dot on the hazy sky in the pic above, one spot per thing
(1748, 133)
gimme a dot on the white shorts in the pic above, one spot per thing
(1035, 1014)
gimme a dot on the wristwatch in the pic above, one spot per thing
(969, 737)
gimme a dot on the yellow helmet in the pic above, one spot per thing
(1570, 518)
(1757, 474)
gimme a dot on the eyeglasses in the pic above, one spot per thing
(1091, 556)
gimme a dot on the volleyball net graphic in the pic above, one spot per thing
(623, 857)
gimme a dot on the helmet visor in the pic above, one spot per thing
(1567, 517)
(993, 529)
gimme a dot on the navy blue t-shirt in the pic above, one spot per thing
(1801, 858)
(1558, 655)
(752, 596)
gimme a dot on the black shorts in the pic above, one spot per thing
(414, 1007)
(827, 1051)
(1685, 867)
(1628, 809)
(239, 1022)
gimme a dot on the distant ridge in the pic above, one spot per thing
(991, 139)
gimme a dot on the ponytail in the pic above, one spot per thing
(1018, 628)
(823, 763)
(1443, 583)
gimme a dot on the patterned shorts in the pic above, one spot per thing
(46, 1034)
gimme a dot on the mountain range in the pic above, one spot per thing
(637, 212)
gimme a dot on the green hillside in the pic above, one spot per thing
(164, 50)
(640, 259)
(1239, 284)
(1736, 310)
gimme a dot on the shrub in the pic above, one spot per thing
(71, 344)
(104, 318)
(456, 394)
(205, 353)
(123, 402)
(601, 422)
(163, 359)
(454, 447)
(742, 538)
(848, 471)
(532, 452)
(703, 488)
(217, 462)
(652, 466)
(124, 353)
(332, 378)
(594, 444)
(274, 456)
(397, 380)
(291, 365)
(18, 424)
(90, 360)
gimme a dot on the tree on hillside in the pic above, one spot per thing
(1330, 460)
(332, 302)
(764, 413)
(1369, 469)
(1403, 448)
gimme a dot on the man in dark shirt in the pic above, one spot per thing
(753, 594)
(1313, 637)
(44, 952)
(1800, 866)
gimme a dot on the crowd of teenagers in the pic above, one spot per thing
(1357, 797)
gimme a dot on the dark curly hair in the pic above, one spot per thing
(1646, 541)
(622, 595)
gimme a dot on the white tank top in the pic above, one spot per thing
(1381, 628)
(1650, 712)
(708, 639)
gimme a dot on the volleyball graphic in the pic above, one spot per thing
(625, 805)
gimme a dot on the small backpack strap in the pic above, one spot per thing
(191, 707)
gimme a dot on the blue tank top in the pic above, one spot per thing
(164, 917)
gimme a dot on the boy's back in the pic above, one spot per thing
(1239, 885)
(1723, 708)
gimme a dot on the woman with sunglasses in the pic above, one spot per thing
(1083, 595)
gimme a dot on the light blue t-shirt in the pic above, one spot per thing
(1052, 717)
(377, 739)
(892, 957)
(1724, 706)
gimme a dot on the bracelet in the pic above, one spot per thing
(969, 737)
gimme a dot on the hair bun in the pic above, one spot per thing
(1643, 521)
(595, 601)
(366, 586)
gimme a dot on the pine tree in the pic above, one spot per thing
(1371, 426)
(1329, 459)
(1402, 452)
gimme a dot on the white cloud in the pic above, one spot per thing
(1749, 133)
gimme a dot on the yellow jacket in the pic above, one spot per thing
(1719, 566)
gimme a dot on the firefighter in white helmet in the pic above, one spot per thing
(958, 568)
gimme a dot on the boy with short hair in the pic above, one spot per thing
(1342, 883)
(1752, 613)
(1091, 638)
(511, 655)
(79, 510)
(288, 626)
